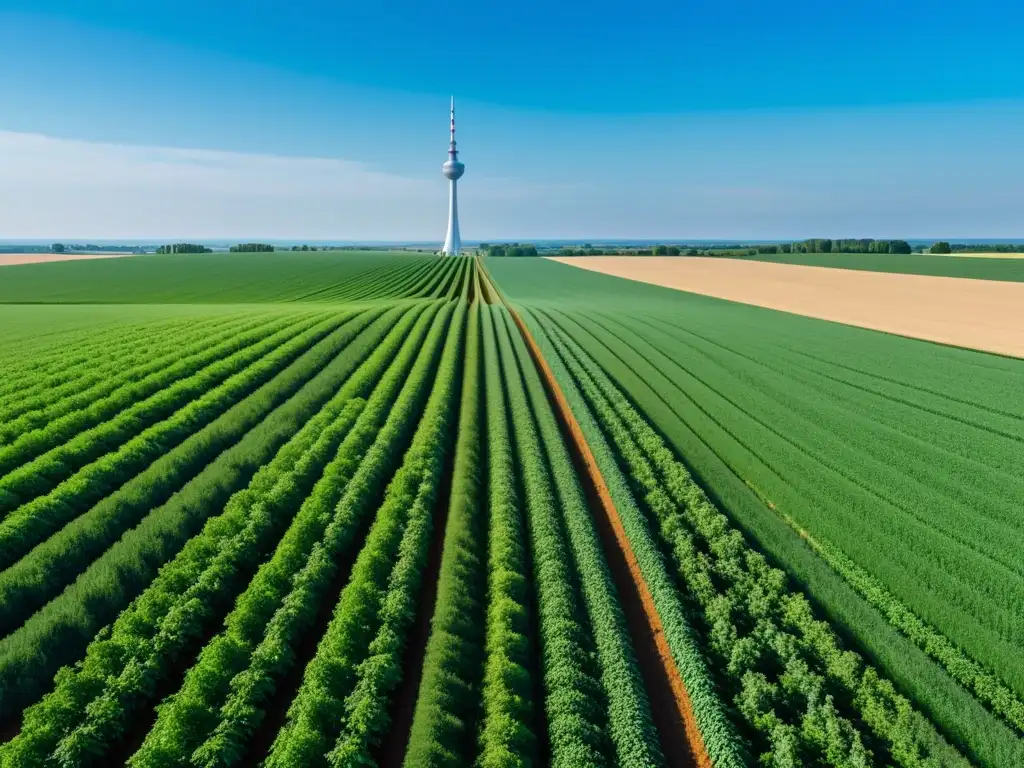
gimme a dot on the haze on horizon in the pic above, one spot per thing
(182, 120)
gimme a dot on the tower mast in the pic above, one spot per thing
(452, 170)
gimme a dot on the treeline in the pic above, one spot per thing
(184, 248)
(658, 250)
(826, 245)
(981, 248)
(508, 249)
(252, 248)
(65, 247)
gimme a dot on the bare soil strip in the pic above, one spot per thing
(15, 259)
(681, 740)
(987, 315)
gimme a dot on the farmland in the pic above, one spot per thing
(976, 314)
(366, 509)
(980, 266)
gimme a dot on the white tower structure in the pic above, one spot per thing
(453, 170)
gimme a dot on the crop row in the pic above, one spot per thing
(32, 523)
(358, 662)
(77, 355)
(721, 414)
(805, 429)
(448, 704)
(629, 719)
(134, 348)
(718, 735)
(224, 696)
(779, 658)
(92, 704)
(232, 448)
(39, 460)
(510, 718)
(877, 486)
(132, 371)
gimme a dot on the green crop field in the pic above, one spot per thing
(344, 509)
(1008, 269)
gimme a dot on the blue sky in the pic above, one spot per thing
(327, 119)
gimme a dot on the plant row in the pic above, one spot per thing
(447, 710)
(575, 703)
(376, 643)
(629, 719)
(223, 698)
(865, 465)
(40, 459)
(232, 449)
(102, 397)
(31, 528)
(78, 355)
(718, 736)
(93, 704)
(790, 677)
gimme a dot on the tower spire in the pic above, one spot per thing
(451, 146)
(452, 171)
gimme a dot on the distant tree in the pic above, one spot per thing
(786, 247)
(661, 250)
(484, 246)
(899, 246)
(184, 248)
(57, 247)
(692, 252)
(767, 249)
(940, 247)
(673, 250)
(251, 248)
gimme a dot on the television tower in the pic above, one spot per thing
(453, 171)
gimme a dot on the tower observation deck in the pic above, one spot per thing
(452, 170)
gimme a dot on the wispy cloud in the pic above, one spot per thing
(53, 187)
(64, 188)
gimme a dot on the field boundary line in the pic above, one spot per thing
(580, 449)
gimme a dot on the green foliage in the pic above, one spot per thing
(940, 247)
(235, 446)
(192, 590)
(252, 248)
(54, 562)
(223, 278)
(507, 736)
(184, 248)
(37, 460)
(47, 396)
(365, 720)
(367, 607)
(191, 714)
(575, 705)
(720, 738)
(629, 718)
(448, 705)
(802, 428)
(512, 249)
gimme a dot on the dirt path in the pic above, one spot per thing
(14, 259)
(680, 738)
(978, 314)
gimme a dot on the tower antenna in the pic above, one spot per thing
(452, 171)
